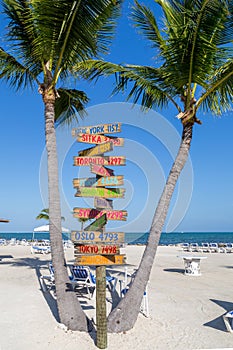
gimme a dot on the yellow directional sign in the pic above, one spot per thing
(89, 260)
(99, 149)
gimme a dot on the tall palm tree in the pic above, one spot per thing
(194, 71)
(45, 39)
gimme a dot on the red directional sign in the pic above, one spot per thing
(88, 213)
(101, 170)
(82, 161)
(99, 139)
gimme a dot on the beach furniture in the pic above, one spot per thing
(81, 276)
(124, 287)
(185, 247)
(214, 248)
(228, 320)
(205, 247)
(3, 241)
(229, 247)
(192, 265)
(49, 278)
(40, 249)
(194, 247)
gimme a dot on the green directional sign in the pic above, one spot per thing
(97, 224)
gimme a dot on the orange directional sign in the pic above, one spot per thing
(96, 236)
(99, 149)
(103, 181)
(101, 170)
(100, 192)
(88, 213)
(98, 129)
(100, 260)
(82, 161)
(99, 139)
(96, 249)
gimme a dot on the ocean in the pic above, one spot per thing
(141, 238)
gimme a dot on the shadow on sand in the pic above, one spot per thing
(218, 322)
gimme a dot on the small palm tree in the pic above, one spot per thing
(82, 220)
(44, 214)
(44, 41)
(194, 70)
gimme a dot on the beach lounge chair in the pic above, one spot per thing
(49, 278)
(124, 286)
(40, 249)
(81, 276)
(229, 247)
(228, 320)
(185, 247)
(214, 248)
(205, 247)
(194, 247)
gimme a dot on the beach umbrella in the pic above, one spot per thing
(45, 228)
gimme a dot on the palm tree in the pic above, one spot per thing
(45, 39)
(194, 70)
(44, 214)
(82, 220)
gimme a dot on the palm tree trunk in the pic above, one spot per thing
(69, 308)
(124, 316)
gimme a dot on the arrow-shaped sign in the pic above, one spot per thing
(99, 149)
(103, 181)
(100, 192)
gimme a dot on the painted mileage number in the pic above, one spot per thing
(94, 236)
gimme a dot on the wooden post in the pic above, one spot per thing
(101, 316)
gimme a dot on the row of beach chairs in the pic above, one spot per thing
(208, 247)
(82, 277)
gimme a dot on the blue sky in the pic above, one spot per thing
(203, 199)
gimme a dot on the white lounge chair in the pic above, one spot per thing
(229, 247)
(205, 247)
(49, 278)
(228, 320)
(124, 286)
(40, 249)
(185, 247)
(81, 276)
(214, 248)
(194, 247)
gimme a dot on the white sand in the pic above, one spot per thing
(185, 312)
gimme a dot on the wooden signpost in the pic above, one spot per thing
(93, 246)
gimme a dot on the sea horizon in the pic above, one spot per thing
(138, 238)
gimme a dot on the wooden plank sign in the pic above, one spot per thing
(99, 149)
(88, 213)
(99, 139)
(96, 249)
(97, 237)
(100, 192)
(98, 224)
(103, 181)
(98, 129)
(84, 161)
(101, 170)
(100, 260)
(103, 203)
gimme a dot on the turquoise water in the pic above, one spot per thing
(141, 238)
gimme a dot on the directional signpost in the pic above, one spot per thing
(94, 246)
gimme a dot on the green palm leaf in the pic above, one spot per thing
(68, 104)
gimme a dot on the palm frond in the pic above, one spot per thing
(68, 104)
(14, 72)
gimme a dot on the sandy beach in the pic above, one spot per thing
(185, 312)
